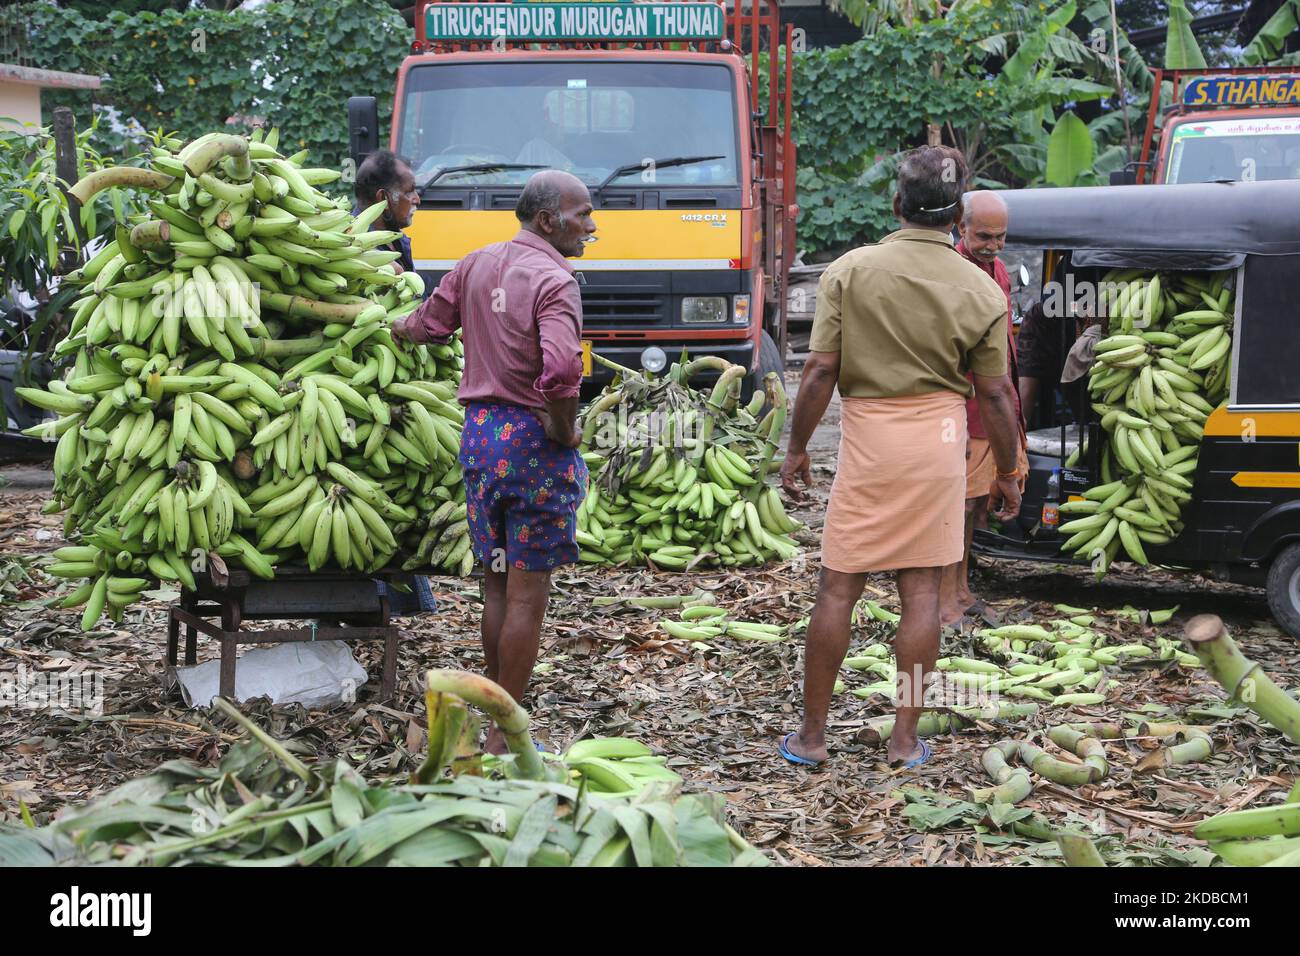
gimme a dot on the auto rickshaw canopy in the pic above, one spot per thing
(1233, 219)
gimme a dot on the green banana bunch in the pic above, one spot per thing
(1156, 379)
(232, 386)
(616, 765)
(674, 486)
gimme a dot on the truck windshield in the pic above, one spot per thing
(1259, 148)
(586, 117)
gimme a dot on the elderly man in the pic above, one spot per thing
(521, 314)
(983, 229)
(383, 176)
(897, 327)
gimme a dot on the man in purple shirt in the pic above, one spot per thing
(520, 312)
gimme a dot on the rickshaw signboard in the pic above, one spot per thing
(1276, 89)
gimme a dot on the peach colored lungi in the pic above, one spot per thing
(981, 469)
(898, 496)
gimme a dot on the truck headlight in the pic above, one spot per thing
(654, 359)
(711, 308)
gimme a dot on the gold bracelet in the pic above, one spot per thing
(1008, 474)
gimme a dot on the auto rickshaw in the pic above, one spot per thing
(1242, 522)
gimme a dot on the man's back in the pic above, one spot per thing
(908, 316)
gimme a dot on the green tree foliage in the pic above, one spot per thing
(293, 63)
(855, 112)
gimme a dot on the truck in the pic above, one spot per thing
(1237, 123)
(682, 139)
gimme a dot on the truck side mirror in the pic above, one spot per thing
(363, 127)
(1124, 177)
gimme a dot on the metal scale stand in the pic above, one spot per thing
(331, 597)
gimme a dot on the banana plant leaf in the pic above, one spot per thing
(263, 807)
(1034, 45)
(1267, 45)
(1181, 49)
(1070, 150)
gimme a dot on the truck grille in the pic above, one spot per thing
(612, 310)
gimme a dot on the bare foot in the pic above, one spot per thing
(496, 742)
(795, 744)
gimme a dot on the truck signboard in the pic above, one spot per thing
(545, 22)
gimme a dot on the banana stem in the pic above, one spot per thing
(715, 409)
(1078, 850)
(446, 715)
(309, 308)
(599, 407)
(1243, 679)
(1082, 745)
(155, 234)
(878, 731)
(211, 152)
(288, 348)
(131, 176)
(601, 360)
(493, 699)
(1012, 784)
(776, 424)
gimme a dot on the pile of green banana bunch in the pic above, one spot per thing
(678, 475)
(1161, 372)
(1061, 664)
(234, 388)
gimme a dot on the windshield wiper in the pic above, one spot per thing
(479, 168)
(652, 164)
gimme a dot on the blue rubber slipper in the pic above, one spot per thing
(926, 754)
(794, 758)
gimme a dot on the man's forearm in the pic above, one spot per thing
(815, 390)
(998, 413)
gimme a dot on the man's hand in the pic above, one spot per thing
(1004, 502)
(570, 437)
(796, 464)
(398, 331)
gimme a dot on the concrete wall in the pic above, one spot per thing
(21, 101)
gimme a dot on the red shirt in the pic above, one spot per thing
(521, 314)
(999, 273)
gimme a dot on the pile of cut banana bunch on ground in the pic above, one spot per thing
(1158, 376)
(261, 804)
(1067, 663)
(234, 390)
(678, 474)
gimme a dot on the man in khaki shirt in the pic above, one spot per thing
(898, 326)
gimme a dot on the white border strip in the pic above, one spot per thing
(605, 265)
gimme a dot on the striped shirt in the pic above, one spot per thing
(518, 305)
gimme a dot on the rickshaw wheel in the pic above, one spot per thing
(1283, 589)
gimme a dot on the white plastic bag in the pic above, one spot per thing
(316, 674)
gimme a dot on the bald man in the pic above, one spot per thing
(518, 305)
(983, 227)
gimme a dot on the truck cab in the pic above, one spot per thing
(1240, 124)
(657, 111)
